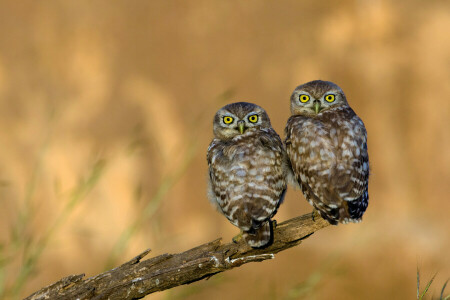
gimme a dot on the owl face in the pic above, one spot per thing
(315, 97)
(238, 118)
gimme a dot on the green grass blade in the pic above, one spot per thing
(442, 291)
(427, 287)
(418, 282)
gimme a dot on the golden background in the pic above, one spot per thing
(106, 114)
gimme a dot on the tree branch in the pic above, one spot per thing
(136, 279)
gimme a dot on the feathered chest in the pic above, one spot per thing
(336, 134)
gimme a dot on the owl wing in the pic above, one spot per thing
(289, 168)
(343, 149)
(351, 173)
(217, 162)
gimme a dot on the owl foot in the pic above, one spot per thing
(314, 214)
(274, 224)
(236, 239)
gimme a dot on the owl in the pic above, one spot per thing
(247, 165)
(326, 143)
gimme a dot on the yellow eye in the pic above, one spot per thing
(330, 98)
(227, 120)
(253, 118)
(304, 98)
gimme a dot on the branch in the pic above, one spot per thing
(136, 279)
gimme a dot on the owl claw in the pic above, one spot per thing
(274, 224)
(314, 214)
(236, 239)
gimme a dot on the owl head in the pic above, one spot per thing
(238, 118)
(315, 97)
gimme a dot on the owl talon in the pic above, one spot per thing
(236, 239)
(314, 215)
(274, 224)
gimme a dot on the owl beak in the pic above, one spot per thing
(317, 106)
(241, 126)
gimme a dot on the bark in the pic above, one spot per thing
(138, 278)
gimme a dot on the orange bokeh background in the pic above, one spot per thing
(135, 84)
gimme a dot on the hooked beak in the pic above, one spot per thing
(241, 126)
(317, 106)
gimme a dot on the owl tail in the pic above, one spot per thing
(259, 237)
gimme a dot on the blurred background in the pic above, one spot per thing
(106, 113)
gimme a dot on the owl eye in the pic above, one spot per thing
(303, 98)
(227, 120)
(253, 118)
(330, 98)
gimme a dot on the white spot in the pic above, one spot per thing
(303, 177)
(365, 166)
(233, 210)
(325, 172)
(252, 172)
(265, 197)
(237, 197)
(332, 132)
(250, 257)
(259, 178)
(241, 173)
(157, 281)
(313, 167)
(356, 180)
(216, 261)
(136, 280)
(268, 210)
(335, 140)
(347, 153)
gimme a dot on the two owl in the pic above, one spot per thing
(324, 152)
